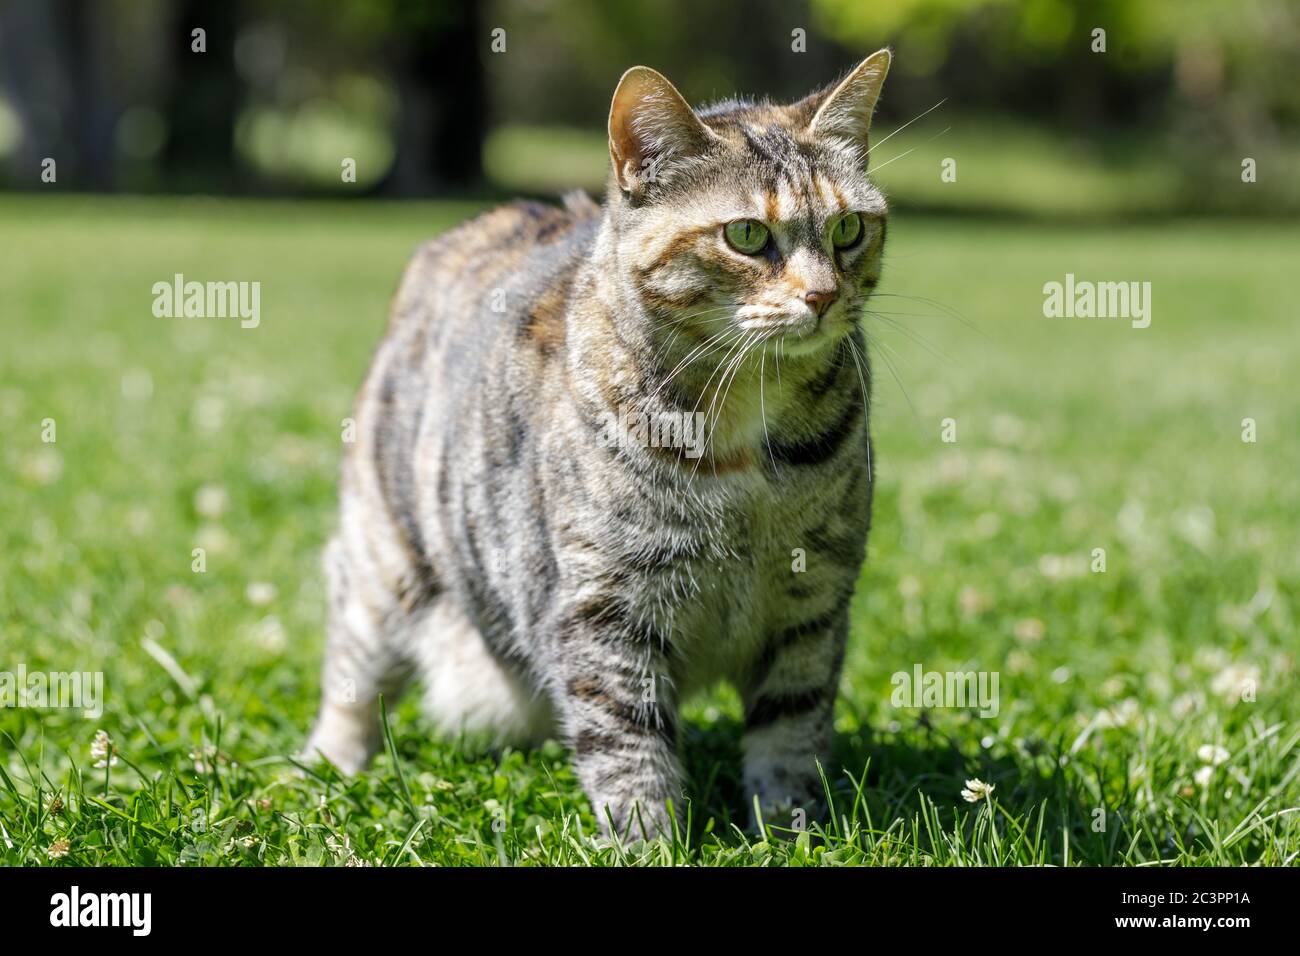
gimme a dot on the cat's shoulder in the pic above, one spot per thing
(503, 241)
(529, 249)
(517, 225)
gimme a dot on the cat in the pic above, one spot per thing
(508, 534)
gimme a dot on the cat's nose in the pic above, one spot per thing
(820, 301)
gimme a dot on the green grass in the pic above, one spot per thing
(1071, 435)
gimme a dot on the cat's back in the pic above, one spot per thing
(510, 266)
(480, 312)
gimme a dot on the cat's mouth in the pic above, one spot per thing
(800, 333)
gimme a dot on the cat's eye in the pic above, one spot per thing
(847, 231)
(746, 235)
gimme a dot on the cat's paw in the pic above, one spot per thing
(344, 742)
(783, 814)
(629, 822)
(347, 757)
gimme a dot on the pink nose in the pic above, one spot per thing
(821, 300)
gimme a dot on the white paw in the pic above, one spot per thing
(344, 742)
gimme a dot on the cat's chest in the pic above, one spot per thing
(727, 601)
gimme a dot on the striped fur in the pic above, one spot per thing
(541, 576)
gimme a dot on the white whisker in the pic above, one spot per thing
(910, 122)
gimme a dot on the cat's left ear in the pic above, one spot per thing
(650, 125)
(845, 111)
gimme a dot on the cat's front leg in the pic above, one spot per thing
(789, 708)
(620, 716)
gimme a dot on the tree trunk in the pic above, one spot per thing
(443, 112)
(199, 154)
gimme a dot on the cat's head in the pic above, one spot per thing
(755, 217)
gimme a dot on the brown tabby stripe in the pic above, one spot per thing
(819, 449)
(792, 636)
(769, 710)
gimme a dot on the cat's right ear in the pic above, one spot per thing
(650, 125)
(844, 112)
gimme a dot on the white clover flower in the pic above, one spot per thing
(976, 790)
(1236, 681)
(1204, 776)
(339, 848)
(1124, 714)
(1212, 754)
(971, 601)
(42, 467)
(1185, 704)
(268, 634)
(1030, 630)
(205, 759)
(102, 750)
(211, 501)
(261, 593)
(58, 850)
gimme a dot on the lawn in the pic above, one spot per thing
(1147, 713)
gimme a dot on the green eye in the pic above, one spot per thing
(746, 235)
(847, 231)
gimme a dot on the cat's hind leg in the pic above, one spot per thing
(468, 690)
(366, 655)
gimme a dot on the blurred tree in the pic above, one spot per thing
(442, 120)
(114, 89)
(1229, 64)
(94, 115)
(202, 97)
(53, 57)
(433, 54)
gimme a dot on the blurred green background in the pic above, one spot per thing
(430, 99)
(1122, 691)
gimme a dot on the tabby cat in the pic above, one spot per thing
(510, 533)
